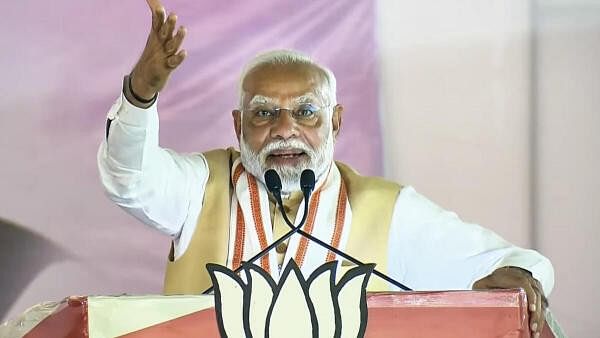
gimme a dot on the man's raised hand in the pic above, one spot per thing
(161, 54)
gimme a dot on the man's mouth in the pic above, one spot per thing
(284, 154)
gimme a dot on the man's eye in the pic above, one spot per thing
(305, 112)
(264, 113)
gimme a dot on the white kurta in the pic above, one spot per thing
(429, 248)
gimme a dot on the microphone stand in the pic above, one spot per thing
(307, 183)
(340, 253)
(274, 185)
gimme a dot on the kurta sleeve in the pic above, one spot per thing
(160, 187)
(432, 249)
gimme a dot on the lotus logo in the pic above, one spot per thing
(257, 306)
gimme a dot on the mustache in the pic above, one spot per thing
(285, 145)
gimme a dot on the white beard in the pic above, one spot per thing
(319, 161)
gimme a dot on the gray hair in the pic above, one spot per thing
(290, 57)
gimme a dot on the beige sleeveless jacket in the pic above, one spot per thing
(371, 199)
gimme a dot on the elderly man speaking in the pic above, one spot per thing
(216, 208)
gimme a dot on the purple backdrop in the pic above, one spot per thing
(62, 66)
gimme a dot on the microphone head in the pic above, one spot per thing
(272, 181)
(307, 180)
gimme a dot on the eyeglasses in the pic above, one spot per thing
(305, 113)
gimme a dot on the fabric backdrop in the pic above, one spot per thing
(62, 66)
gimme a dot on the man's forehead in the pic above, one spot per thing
(294, 80)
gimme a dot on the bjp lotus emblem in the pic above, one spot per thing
(254, 305)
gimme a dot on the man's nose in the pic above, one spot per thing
(284, 126)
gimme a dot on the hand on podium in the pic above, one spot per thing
(510, 277)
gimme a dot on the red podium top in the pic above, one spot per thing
(501, 313)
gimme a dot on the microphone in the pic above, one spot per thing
(273, 182)
(307, 182)
(307, 185)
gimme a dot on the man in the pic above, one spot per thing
(217, 209)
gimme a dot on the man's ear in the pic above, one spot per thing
(336, 119)
(237, 123)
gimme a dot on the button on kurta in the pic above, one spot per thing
(281, 248)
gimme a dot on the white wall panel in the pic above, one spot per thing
(492, 109)
(455, 106)
(568, 157)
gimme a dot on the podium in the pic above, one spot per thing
(443, 314)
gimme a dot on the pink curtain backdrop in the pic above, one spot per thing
(62, 67)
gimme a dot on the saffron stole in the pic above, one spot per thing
(329, 219)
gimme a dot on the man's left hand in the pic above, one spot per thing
(509, 277)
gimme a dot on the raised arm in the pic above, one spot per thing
(161, 56)
(160, 187)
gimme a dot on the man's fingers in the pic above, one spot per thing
(538, 315)
(155, 23)
(543, 303)
(175, 60)
(534, 301)
(540, 291)
(166, 31)
(173, 45)
(158, 19)
(171, 22)
(531, 297)
(154, 5)
(511, 277)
